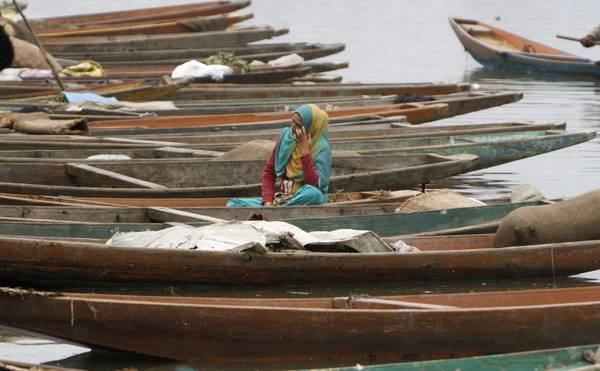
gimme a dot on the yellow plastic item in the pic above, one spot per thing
(84, 69)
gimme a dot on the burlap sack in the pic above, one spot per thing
(28, 55)
(253, 150)
(261, 149)
(437, 200)
(576, 219)
(15, 29)
(40, 123)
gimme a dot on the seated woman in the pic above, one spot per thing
(301, 159)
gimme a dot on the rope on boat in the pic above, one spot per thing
(350, 300)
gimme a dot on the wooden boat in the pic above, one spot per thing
(192, 178)
(558, 359)
(198, 24)
(490, 149)
(457, 220)
(134, 91)
(458, 103)
(233, 37)
(220, 91)
(33, 146)
(137, 91)
(339, 133)
(383, 199)
(440, 258)
(264, 76)
(496, 48)
(414, 112)
(346, 109)
(142, 15)
(263, 52)
(308, 331)
(160, 210)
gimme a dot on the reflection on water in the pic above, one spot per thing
(399, 41)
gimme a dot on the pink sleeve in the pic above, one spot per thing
(268, 178)
(310, 173)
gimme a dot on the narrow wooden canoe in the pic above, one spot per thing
(266, 76)
(341, 108)
(491, 149)
(496, 48)
(192, 178)
(383, 201)
(219, 91)
(198, 24)
(155, 71)
(414, 112)
(350, 132)
(29, 145)
(308, 331)
(458, 103)
(134, 91)
(140, 91)
(558, 359)
(142, 15)
(384, 224)
(262, 52)
(233, 37)
(159, 210)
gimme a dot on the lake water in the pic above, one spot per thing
(411, 41)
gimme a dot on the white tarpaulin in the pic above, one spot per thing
(244, 235)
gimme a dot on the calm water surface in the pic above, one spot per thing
(410, 41)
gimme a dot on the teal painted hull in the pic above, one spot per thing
(561, 359)
(385, 225)
(490, 150)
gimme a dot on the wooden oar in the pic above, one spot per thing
(575, 39)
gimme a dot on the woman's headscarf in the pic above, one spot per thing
(287, 160)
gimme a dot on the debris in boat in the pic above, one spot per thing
(411, 98)
(381, 194)
(575, 219)
(526, 192)
(257, 216)
(402, 247)
(286, 61)
(338, 196)
(84, 69)
(193, 68)
(16, 291)
(108, 157)
(78, 98)
(256, 236)
(230, 60)
(437, 200)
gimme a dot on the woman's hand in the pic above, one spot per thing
(303, 140)
(587, 41)
(268, 203)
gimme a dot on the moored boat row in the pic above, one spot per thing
(123, 179)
